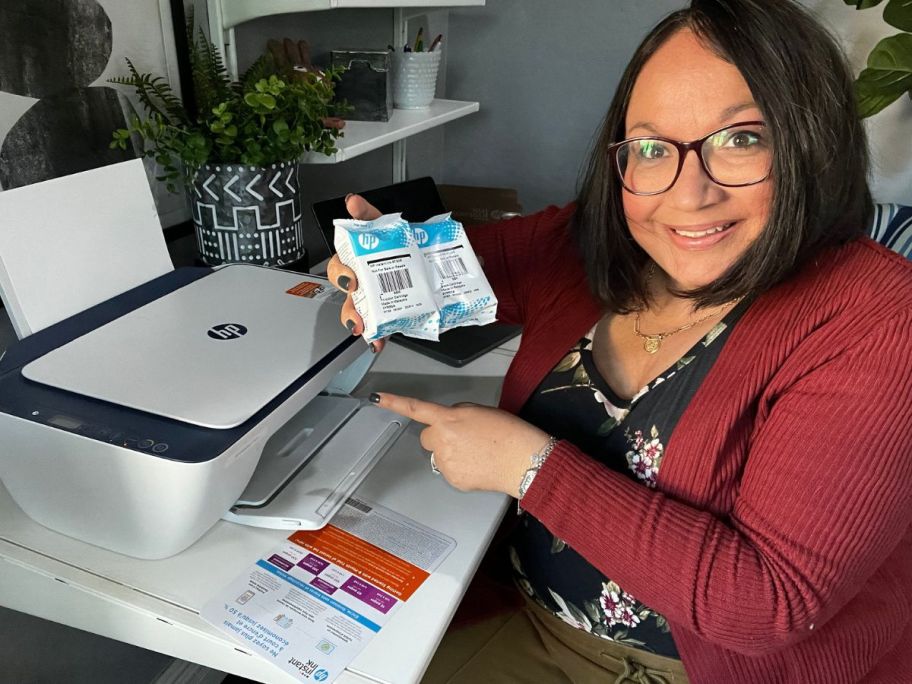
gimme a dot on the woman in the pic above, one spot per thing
(709, 421)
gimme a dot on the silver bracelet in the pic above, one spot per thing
(536, 461)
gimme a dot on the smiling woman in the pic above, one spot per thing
(710, 346)
(710, 75)
(693, 224)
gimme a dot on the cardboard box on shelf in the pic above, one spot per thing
(473, 204)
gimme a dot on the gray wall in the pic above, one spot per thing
(544, 73)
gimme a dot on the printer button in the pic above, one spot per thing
(160, 448)
(145, 443)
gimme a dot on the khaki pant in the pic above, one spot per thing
(529, 644)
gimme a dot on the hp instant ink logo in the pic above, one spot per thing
(227, 331)
(368, 241)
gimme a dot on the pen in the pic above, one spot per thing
(436, 42)
(418, 44)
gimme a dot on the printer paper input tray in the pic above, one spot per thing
(310, 467)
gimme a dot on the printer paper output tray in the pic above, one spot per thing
(310, 467)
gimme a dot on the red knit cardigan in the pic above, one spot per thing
(777, 542)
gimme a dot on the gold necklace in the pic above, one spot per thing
(653, 342)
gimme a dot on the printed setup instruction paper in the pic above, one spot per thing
(313, 604)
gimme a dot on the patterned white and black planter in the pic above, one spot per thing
(248, 214)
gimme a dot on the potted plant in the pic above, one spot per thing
(234, 146)
(888, 75)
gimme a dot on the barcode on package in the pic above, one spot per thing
(450, 266)
(394, 281)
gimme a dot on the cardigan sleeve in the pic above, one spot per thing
(513, 252)
(823, 500)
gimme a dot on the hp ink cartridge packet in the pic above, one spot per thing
(461, 290)
(393, 293)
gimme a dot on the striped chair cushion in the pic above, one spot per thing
(892, 227)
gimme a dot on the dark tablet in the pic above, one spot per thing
(418, 200)
(459, 346)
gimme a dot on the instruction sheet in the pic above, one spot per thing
(311, 605)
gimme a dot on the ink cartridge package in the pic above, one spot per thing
(393, 293)
(461, 290)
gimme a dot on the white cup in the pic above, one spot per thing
(415, 78)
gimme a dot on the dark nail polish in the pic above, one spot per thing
(373, 348)
(344, 282)
(374, 398)
(350, 324)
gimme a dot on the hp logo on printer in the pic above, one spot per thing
(421, 235)
(227, 331)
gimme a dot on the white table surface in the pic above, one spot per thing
(155, 604)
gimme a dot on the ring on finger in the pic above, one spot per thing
(434, 467)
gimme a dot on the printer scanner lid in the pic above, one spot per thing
(211, 353)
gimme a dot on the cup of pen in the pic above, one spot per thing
(415, 78)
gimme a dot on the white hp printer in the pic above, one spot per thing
(138, 423)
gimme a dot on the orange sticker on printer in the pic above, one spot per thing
(306, 289)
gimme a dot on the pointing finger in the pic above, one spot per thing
(426, 412)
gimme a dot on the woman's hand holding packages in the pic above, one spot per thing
(418, 279)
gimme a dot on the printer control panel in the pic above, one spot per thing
(103, 433)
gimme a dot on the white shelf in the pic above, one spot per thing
(364, 136)
(360, 136)
(235, 12)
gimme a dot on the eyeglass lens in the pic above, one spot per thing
(739, 155)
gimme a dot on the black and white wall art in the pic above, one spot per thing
(57, 109)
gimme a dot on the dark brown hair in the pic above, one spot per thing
(801, 82)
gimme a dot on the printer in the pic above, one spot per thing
(138, 423)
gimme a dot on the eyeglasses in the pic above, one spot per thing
(734, 156)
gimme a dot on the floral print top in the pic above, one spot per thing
(574, 402)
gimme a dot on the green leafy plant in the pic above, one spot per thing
(888, 75)
(269, 115)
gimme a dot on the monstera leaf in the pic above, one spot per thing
(898, 13)
(888, 74)
(889, 71)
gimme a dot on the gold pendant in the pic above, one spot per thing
(652, 344)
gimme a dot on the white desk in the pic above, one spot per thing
(154, 604)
